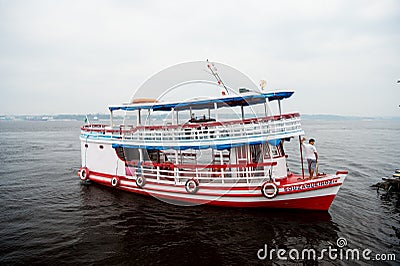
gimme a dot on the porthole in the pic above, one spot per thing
(86, 145)
(101, 147)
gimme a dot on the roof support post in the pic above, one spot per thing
(111, 119)
(279, 106)
(140, 155)
(216, 111)
(139, 118)
(265, 107)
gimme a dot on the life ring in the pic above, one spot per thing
(192, 186)
(115, 181)
(269, 190)
(140, 181)
(84, 173)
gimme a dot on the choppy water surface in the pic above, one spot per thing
(49, 217)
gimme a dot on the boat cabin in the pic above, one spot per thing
(212, 144)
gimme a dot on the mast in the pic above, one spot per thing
(213, 70)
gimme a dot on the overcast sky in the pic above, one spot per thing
(341, 57)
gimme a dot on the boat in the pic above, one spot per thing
(227, 156)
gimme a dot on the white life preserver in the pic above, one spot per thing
(269, 190)
(140, 181)
(84, 173)
(115, 181)
(192, 186)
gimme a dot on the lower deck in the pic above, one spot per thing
(292, 192)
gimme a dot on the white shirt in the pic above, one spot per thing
(309, 151)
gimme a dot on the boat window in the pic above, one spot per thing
(255, 152)
(132, 154)
(120, 153)
(274, 150)
(188, 156)
(201, 119)
(280, 149)
(266, 151)
(204, 156)
(154, 156)
(225, 159)
(242, 154)
(157, 156)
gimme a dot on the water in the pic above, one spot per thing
(49, 217)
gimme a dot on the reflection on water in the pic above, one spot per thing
(162, 233)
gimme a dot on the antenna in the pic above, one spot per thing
(213, 70)
(263, 83)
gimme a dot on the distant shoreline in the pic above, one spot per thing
(96, 117)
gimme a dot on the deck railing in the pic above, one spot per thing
(200, 132)
(211, 174)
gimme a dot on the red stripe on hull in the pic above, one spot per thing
(321, 203)
(225, 189)
(318, 203)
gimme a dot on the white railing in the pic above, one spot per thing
(215, 131)
(206, 175)
(266, 127)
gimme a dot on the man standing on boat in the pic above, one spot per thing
(310, 153)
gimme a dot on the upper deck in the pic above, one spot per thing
(218, 135)
(200, 133)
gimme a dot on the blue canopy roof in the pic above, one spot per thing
(231, 101)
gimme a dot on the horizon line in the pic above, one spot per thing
(107, 114)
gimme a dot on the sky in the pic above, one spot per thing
(340, 57)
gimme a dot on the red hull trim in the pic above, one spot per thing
(318, 203)
(243, 189)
